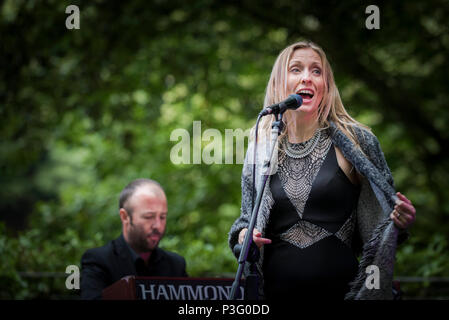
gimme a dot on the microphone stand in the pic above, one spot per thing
(276, 129)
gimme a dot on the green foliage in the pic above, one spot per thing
(84, 112)
(428, 260)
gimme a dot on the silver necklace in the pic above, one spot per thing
(309, 146)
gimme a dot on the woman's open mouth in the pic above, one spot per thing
(306, 94)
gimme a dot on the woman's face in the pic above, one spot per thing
(305, 77)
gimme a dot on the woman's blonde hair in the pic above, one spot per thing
(331, 107)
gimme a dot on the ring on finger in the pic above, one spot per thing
(398, 214)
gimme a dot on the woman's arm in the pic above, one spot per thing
(246, 206)
(240, 226)
(404, 213)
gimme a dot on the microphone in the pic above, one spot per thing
(294, 101)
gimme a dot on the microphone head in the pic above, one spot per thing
(294, 101)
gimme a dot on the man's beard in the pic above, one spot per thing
(139, 241)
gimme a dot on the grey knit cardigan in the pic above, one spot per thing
(375, 231)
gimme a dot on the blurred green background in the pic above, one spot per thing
(84, 112)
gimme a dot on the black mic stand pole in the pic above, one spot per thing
(276, 129)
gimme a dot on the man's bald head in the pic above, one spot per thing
(143, 211)
(146, 185)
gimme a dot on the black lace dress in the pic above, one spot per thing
(311, 226)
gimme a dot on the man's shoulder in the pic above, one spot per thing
(102, 253)
(174, 263)
(171, 255)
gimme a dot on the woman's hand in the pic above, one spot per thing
(404, 214)
(257, 237)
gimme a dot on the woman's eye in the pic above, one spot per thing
(295, 70)
(317, 71)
